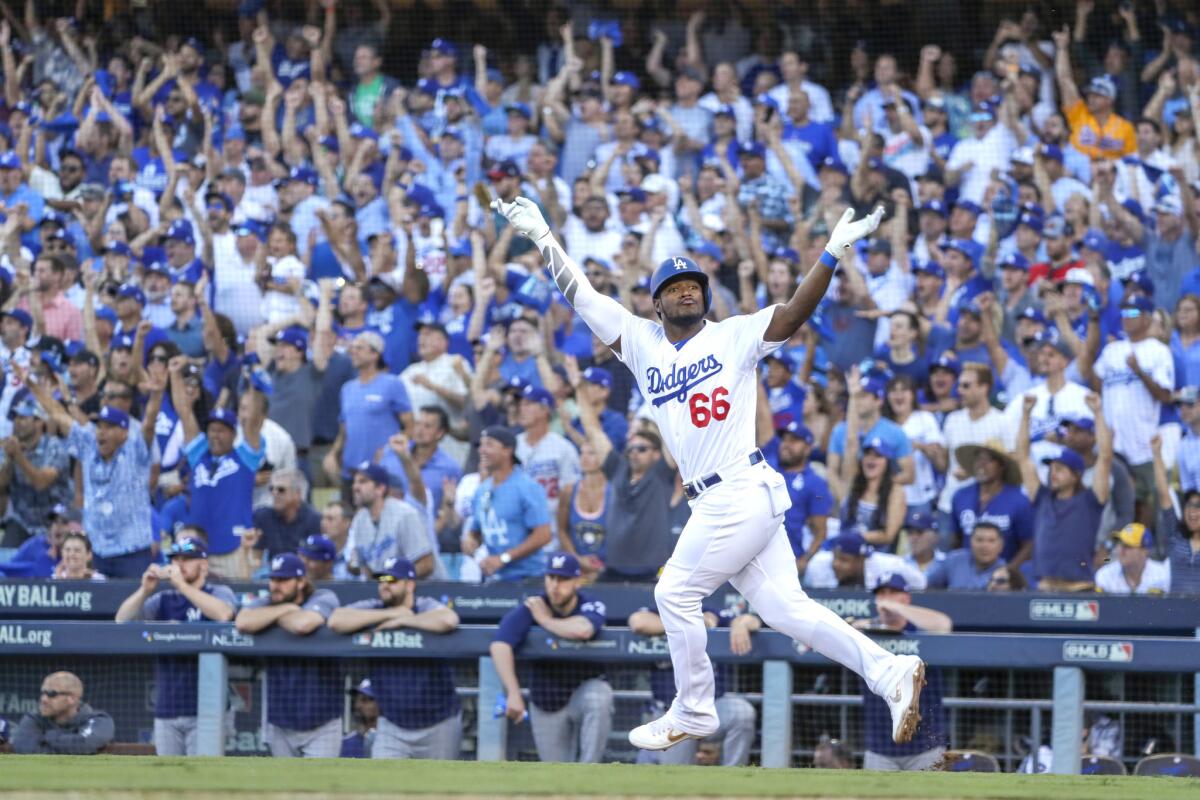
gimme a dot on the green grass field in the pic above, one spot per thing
(115, 777)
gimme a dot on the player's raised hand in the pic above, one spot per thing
(847, 231)
(524, 215)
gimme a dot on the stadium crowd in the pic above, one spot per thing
(240, 268)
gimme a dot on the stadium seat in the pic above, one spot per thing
(1102, 765)
(970, 761)
(1173, 765)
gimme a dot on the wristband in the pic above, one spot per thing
(828, 259)
(462, 198)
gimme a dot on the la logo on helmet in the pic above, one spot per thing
(680, 263)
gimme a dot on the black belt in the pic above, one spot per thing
(693, 489)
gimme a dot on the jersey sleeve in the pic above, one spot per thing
(195, 449)
(749, 342)
(366, 604)
(593, 611)
(151, 609)
(820, 500)
(399, 397)
(323, 601)
(514, 627)
(252, 459)
(224, 594)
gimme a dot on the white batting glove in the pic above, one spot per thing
(847, 232)
(524, 215)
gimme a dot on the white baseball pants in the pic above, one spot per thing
(736, 534)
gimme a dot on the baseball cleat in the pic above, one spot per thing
(904, 699)
(659, 735)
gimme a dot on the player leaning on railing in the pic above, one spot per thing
(699, 378)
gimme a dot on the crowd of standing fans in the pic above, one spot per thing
(247, 266)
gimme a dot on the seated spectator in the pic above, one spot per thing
(386, 527)
(971, 568)
(319, 556)
(39, 555)
(852, 563)
(510, 520)
(896, 613)
(64, 724)
(335, 526)
(364, 716)
(76, 561)
(735, 735)
(921, 529)
(994, 496)
(190, 598)
(1134, 572)
(289, 520)
(1066, 515)
(571, 702)
(304, 696)
(1005, 579)
(1178, 538)
(420, 714)
(35, 470)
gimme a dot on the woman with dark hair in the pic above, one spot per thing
(873, 505)
(1178, 539)
(1185, 339)
(929, 445)
(904, 353)
(76, 560)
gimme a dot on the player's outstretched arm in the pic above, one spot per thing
(602, 314)
(790, 316)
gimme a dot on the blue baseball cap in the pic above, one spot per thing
(20, 315)
(133, 292)
(113, 416)
(633, 193)
(374, 472)
(752, 149)
(873, 385)
(188, 547)
(1014, 260)
(223, 416)
(787, 254)
(364, 688)
(563, 565)
(519, 108)
(1140, 303)
(920, 521)
(427, 86)
(400, 569)
(285, 566)
(504, 169)
(930, 268)
(881, 447)
(1035, 315)
(624, 78)
(947, 362)
(782, 357)
(798, 429)
(708, 248)
(295, 336)
(181, 230)
(1141, 279)
(118, 249)
(1095, 240)
(935, 206)
(1068, 458)
(890, 580)
(598, 375)
(104, 313)
(965, 246)
(1087, 424)
(725, 110)
(836, 164)
(851, 544)
(10, 160)
(969, 205)
(444, 47)
(318, 548)
(1031, 220)
(537, 394)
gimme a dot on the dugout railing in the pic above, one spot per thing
(769, 673)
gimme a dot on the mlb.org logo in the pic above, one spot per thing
(1073, 610)
(1119, 652)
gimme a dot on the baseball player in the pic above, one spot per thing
(699, 379)
(571, 703)
(190, 598)
(304, 697)
(420, 715)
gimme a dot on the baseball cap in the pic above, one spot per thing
(1188, 395)
(1034, 315)
(836, 164)
(633, 193)
(707, 248)
(504, 169)
(935, 206)
(852, 544)
(318, 548)
(880, 246)
(1022, 155)
(982, 112)
(655, 183)
(598, 375)
(1014, 260)
(1068, 458)
(874, 386)
(538, 395)
(371, 339)
(188, 547)
(1101, 85)
(1139, 303)
(113, 416)
(1135, 534)
(443, 47)
(397, 569)
(63, 511)
(946, 361)
(1169, 204)
(287, 565)
(624, 78)
(1078, 277)
(969, 205)
(223, 416)
(1056, 226)
(374, 472)
(522, 109)
(930, 268)
(429, 321)
(295, 336)
(751, 150)
(181, 230)
(364, 688)
(881, 447)
(20, 315)
(10, 160)
(1052, 152)
(890, 580)
(798, 429)
(133, 292)
(563, 565)
(1095, 240)
(1141, 279)
(920, 521)
(84, 356)
(503, 435)
(966, 247)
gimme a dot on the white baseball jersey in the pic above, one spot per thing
(702, 392)
(1130, 409)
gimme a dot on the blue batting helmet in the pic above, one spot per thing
(673, 269)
